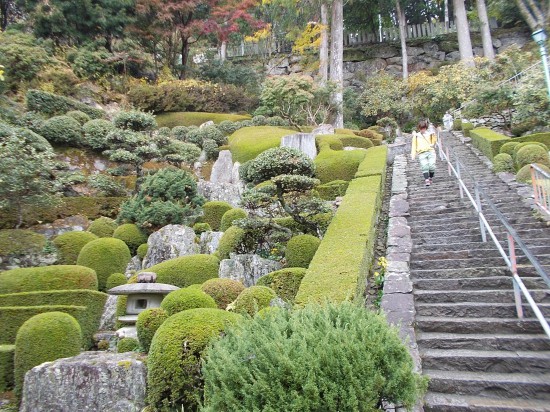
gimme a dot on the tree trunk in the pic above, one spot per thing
(533, 15)
(446, 15)
(337, 60)
(485, 30)
(323, 48)
(4, 10)
(403, 38)
(463, 31)
(223, 51)
(184, 57)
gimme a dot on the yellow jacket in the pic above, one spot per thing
(422, 142)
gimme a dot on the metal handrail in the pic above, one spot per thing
(513, 237)
(541, 188)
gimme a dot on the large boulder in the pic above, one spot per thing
(91, 381)
(209, 242)
(170, 242)
(247, 269)
(226, 192)
(222, 171)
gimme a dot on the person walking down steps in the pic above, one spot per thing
(423, 145)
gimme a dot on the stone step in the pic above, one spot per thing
(481, 296)
(478, 310)
(536, 246)
(478, 325)
(492, 257)
(486, 361)
(436, 340)
(471, 218)
(456, 273)
(443, 402)
(500, 385)
(464, 263)
(525, 232)
(493, 282)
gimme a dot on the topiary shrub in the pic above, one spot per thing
(6, 367)
(44, 338)
(142, 250)
(329, 358)
(524, 174)
(253, 299)
(173, 368)
(127, 345)
(259, 120)
(62, 130)
(199, 228)
(135, 120)
(213, 213)
(223, 291)
(532, 153)
(186, 270)
(14, 242)
(103, 227)
(284, 282)
(69, 245)
(114, 280)
(332, 163)
(356, 141)
(466, 127)
(106, 256)
(148, 321)
(230, 241)
(95, 133)
(57, 277)
(228, 127)
(51, 104)
(230, 216)
(186, 298)
(79, 116)
(508, 148)
(331, 190)
(130, 234)
(180, 132)
(300, 250)
(503, 162)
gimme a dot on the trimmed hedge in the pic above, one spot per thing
(103, 227)
(114, 280)
(343, 259)
(51, 104)
(175, 119)
(24, 305)
(20, 242)
(284, 282)
(230, 216)
(147, 324)
(333, 164)
(229, 242)
(106, 256)
(356, 141)
(253, 299)
(331, 190)
(488, 141)
(130, 234)
(142, 250)
(300, 250)
(185, 299)
(374, 162)
(532, 153)
(524, 174)
(44, 338)
(213, 213)
(127, 345)
(247, 143)
(503, 162)
(186, 270)
(466, 128)
(7, 353)
(223, 291)
(58, 277)
(70, 244)
(508, 148)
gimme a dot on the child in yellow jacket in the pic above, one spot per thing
(423, 145)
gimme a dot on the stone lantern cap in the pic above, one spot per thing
(142, 288)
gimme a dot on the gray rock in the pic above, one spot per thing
(227, 192)
(247, 268)
(235, 177)
(305, 142)
(323, 129)
(222, 171)
(206, 124)
(91, 381)
(108, 318)
(170, 242)
(77, 223)
(209, 242)
(133, 265)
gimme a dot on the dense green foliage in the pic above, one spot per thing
(213, 213)
(186, 270)
(105, 256)
(147, 324)
(331, 190)
(300, 250)
(7, 353)
(487, 141)
(284, 282)
(331, 358)
(62, 130)
(127, 345)
(230, 216)
(43, 338)
(230, 241)
(223, 291)
(51, 105)
(103, 227)
(130, 234)
(186, 298)
(503, 162)
(173, 365)
(532, 153)
(69, 245)
(182, 119)
(14, 242)
(524, 174)
(333, 164)
(142, 250)
(95, 133)
(253, 299)
(247, 143)
(114, 280)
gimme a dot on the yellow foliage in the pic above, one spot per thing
(165, 75)
(1, 73)
(259, 35)
(309, 39)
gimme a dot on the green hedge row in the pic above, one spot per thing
(89, 319)
(91, 207)
(333, 163)
(374, 163)
(52, 104)
(487, 141)
(6, 367)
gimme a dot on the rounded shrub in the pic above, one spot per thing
(127, 345)
(103, 227)
(230, 216)
(186, 298)
(356, 141)
(180, 132)
(228, 127)
(508, 148)
(95, 133)
(213, 213)
(186, 270)
(532, 154)
(523, 144)
(213, 133)
(259, 120)
(253, 299)
(135, 120)
(230, 241)
(130, 234)
(142, 250)
(106, 256)
(114, 280)
(503, 162)
(210, 149)
(174, 368)
(62, 130)
(69, 245)
(57, 277)
(199, 228)
(79, 116)
(20, 242)
(322, 358)
(44, 338)
(524, 174)
(284, 282)
(147, 324)
(300, 250)
(223, 291)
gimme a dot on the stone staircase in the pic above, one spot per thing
(478, 354)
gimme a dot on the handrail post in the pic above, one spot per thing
(535, 185)
(459, 178)
(448, 162)
(514, 269)
(481, 224)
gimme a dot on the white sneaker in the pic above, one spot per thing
(428, 182)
